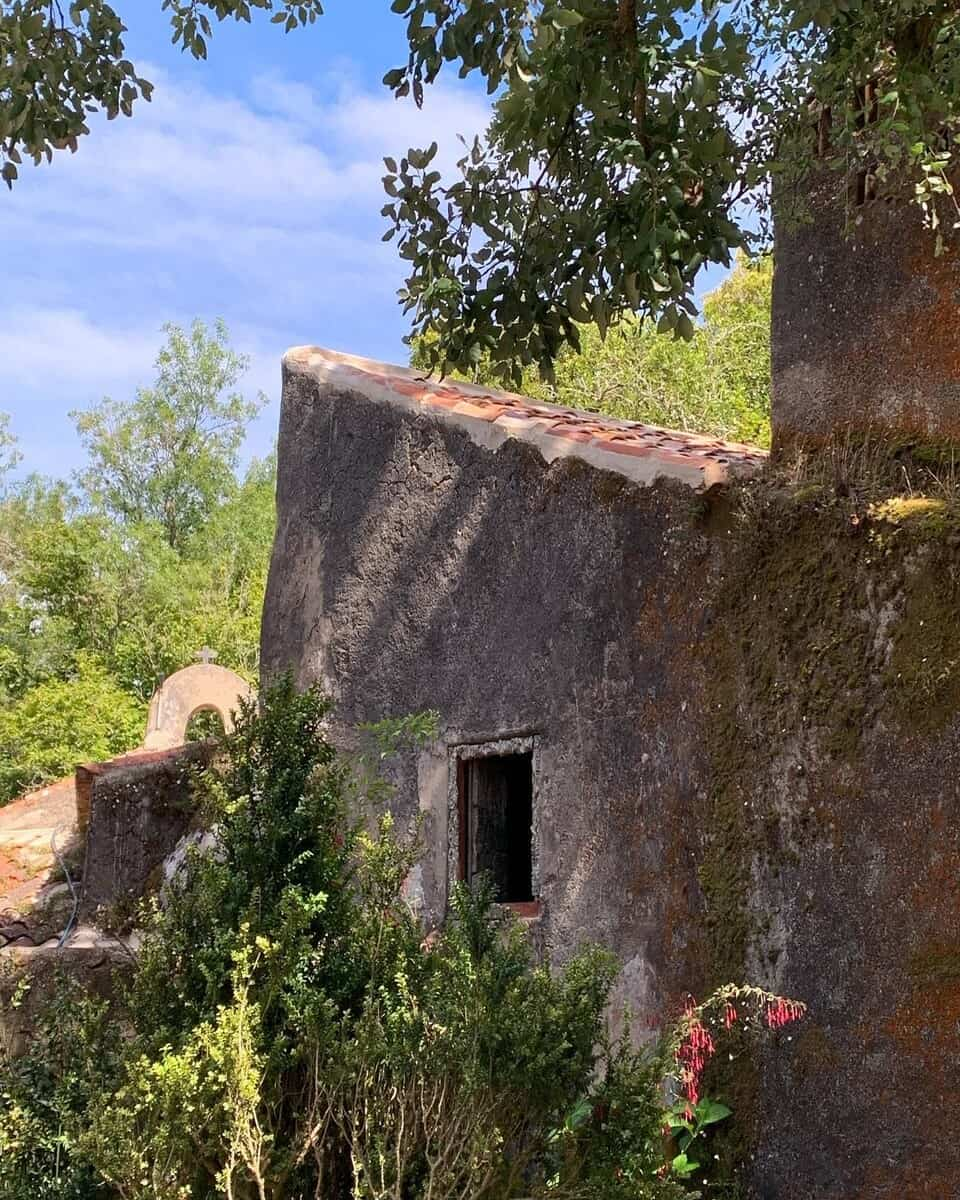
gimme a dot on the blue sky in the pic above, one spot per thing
(249, 189)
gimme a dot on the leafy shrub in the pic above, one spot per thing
(288, 1032)
(45, 1093)
(60, 722)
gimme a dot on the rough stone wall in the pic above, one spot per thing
(742, 710)
(414, 570)
(133, 813)
(136, 810)
(866, 329)
(831, 866)
(29, 977)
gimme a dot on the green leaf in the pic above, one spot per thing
(676, 1120)
(709, 1112)
(566, 18)
(683, 1166)
(579, 1114)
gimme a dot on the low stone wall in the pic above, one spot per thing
(29, 974)
(133, 812)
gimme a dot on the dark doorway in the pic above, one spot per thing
(496, 823)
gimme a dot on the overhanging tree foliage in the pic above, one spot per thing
(631, 140)
(716, 383)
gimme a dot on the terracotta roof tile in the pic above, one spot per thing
(642, 452)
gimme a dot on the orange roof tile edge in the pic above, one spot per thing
(641, 452)
(132, 758)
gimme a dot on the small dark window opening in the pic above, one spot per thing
(496, 823)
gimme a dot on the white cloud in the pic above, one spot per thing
(376, 123)
(66, 348)
(280, 156)
(261, 207)
(65, 357)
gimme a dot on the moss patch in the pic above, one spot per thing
(923, 516)
(900, 510)
(830, 623)
(791, 653)
(939, 963)
(835, 628)
(922, 682)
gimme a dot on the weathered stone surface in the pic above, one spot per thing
(743, 714)
(140, 807)
(29, 974)
(866, 329)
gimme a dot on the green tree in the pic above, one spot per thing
(35, 643)
(718, 382)
(632, 141)
(9, 453)
(92, 590)
(61, 721)
(170, 454)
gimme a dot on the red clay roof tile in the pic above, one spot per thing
(698, 460)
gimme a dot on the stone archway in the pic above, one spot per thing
(203, 686)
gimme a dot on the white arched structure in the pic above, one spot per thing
(187, 692)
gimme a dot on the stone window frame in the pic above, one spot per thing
(497, 747)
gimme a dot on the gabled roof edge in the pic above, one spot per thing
(642, 453)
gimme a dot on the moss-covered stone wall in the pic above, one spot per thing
(830, 863)
(744, 713)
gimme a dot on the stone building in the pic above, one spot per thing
(686, 713)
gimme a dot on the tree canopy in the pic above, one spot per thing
(632, 140)
(110, 582)
(169, 455)
(716, 383)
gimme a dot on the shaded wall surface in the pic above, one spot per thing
(745, 764)
(133, 811)
(866, 321)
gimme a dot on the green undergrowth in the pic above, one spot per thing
(286, 1031)
(938, 963)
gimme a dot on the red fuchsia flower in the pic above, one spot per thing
(729, 1015)
(693, 1054)
(783, 1012)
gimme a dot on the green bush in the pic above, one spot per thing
(61, 722)
(288, 1032)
